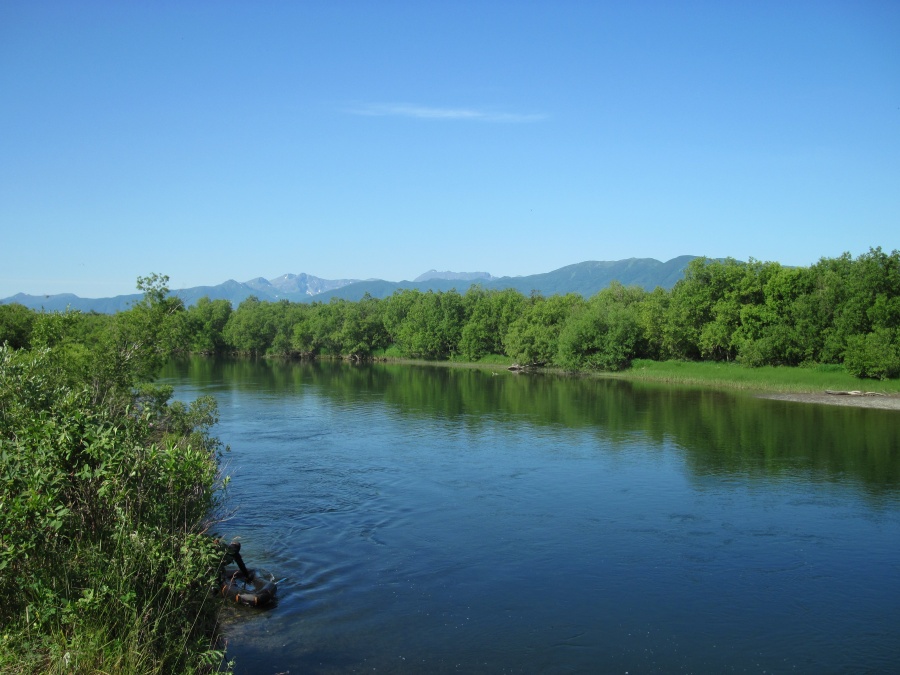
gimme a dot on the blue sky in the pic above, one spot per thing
(216, 140)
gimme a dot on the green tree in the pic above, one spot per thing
(283, 316)
(777, 331)
(303, 340)
(606, 334)
(394, 311)
(206, 321)
(432, 325)
(872, 299)
(133, 346)
(251, 327)
(875, 354)
(15, 325)
(489, 315)
(867, 322)
(533, 338)
(652, 311)
(362, 329)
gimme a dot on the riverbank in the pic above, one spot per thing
(801, 385)
(885, 402)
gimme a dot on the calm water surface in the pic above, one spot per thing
(433, 520)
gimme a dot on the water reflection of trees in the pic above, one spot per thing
(721, 432)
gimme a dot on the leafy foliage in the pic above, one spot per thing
(206, 321)
(875, 354)
(16, 324)
(839, 311)
(107, 490)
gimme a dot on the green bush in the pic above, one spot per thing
(875, 355)
(107, 494)
(605, 334)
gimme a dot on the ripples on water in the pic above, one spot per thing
(417, 540)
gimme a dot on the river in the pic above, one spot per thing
(436, 520)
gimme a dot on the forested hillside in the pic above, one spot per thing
(838, 311)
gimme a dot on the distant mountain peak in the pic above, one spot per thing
(453, 276)
(585, 278)
(258, 282)
(306, 284)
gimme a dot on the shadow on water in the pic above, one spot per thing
(720, 432)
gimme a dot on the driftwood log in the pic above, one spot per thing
(854, 393)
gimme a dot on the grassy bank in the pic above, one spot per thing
(720, 375)
(731, 375)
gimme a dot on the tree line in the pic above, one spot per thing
(838, 311)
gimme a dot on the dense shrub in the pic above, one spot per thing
(107, 493)
(875, 355)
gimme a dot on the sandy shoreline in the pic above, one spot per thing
(880, 402)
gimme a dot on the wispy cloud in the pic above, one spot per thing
(429, 113)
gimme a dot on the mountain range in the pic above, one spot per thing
(585, 278)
